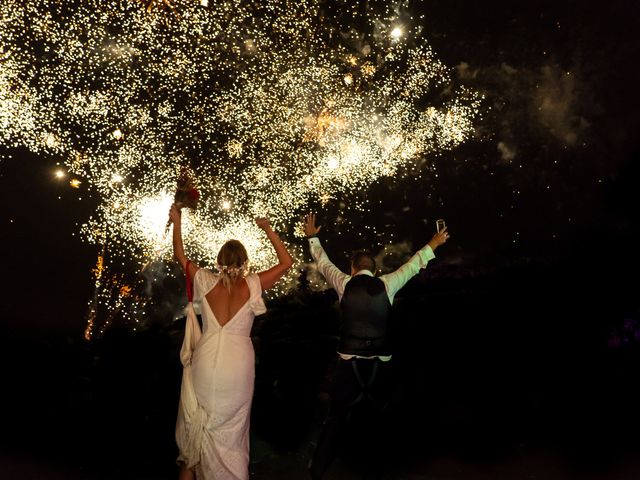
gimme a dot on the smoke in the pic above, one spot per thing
(506, 152)
(393, 256)
(529, 104)
(555, 99)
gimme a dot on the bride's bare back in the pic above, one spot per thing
(225, 304)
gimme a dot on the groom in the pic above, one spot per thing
(360, 387)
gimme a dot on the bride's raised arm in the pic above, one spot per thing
(268, 278)
(175, 215)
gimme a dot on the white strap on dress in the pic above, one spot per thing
(256, 302)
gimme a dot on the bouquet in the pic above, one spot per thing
(187, 194)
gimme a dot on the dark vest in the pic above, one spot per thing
(365, 311)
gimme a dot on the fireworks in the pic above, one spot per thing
(270, 108)
(396, 33)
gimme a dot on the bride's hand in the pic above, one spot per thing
(263, 223)
(175, 214)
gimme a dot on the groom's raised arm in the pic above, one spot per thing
(396, 280)
(332, 274)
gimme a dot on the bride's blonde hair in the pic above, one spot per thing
(232, 262)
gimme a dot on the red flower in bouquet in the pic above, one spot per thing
(187, 195)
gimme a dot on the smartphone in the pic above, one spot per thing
(440, 225)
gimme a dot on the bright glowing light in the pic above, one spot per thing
(60, 174)
(152, 217)
(75, 183)
(324, 199)
(226, 205)
(117, 134)
(396, 33)
(51, 141)
(117, 178)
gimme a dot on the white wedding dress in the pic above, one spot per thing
(212, 429)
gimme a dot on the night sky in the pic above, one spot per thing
(539, 281)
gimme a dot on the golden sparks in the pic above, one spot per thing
(270, 108)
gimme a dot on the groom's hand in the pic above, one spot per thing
(310, 228)
(438, 239)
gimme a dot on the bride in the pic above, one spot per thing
(212, 429)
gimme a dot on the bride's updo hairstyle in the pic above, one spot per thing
(232, 262)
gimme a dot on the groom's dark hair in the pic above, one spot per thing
(363, 260)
